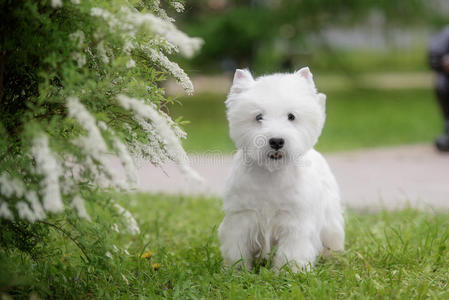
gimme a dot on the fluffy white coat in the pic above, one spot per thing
(282, 202)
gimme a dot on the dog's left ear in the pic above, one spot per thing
(242, 80)
(322, 101)
(307, 75)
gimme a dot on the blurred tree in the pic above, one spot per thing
(266, 32)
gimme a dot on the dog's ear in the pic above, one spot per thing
(322, 101)
(242, 80)
(307, 75)
(305, 72)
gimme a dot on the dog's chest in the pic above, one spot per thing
(273, 191)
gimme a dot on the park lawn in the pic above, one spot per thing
(397, 255)
(356, 118)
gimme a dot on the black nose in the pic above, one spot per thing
(276, 143)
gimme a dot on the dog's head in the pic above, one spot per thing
(275, 119)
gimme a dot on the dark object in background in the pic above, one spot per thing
(439, 61)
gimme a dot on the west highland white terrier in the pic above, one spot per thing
(281, 200)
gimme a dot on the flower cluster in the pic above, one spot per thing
(97, 102)
(166, 37)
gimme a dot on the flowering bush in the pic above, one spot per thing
(80, 85)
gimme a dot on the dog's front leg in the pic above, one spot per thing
(237, 235)
(297, 246)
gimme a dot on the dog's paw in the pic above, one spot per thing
(295, 266)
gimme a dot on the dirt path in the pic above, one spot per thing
(369, 179)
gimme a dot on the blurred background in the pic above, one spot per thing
(369, 57)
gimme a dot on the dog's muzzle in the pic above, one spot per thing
(275, 155)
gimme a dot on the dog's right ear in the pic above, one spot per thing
(308, 76)
(242, 80)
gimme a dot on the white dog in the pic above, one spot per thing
(281, 198)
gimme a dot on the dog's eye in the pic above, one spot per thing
(291, 117)
(259, 117)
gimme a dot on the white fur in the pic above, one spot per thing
(289, 207)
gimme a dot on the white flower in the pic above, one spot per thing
(156, 7)
(130, 64)
(164, 45)
(72, 174)
(128, 46)
(47, 165)
(126, 160)
(102, 125)
(172, 67)
(5, 213)
(78, 36)
(108, 254)
(25, 213)
(187, 46)
(115, 228)
(129, 21)
(75, 1)
(56, 3)
(80, 59)
(152, 148)
(11, 186)
(38, 210)
(94, 146)
(112, 21)
(102, 52)
(78, 205)
(172, 142)
(131, 223)
(85, 119)
(178, 6)
(178, 131)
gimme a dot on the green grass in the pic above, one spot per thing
(396, 255)
(356, 118)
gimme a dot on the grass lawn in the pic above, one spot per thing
(356, 118)
(396, 255)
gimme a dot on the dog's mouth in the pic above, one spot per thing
(275, 155)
